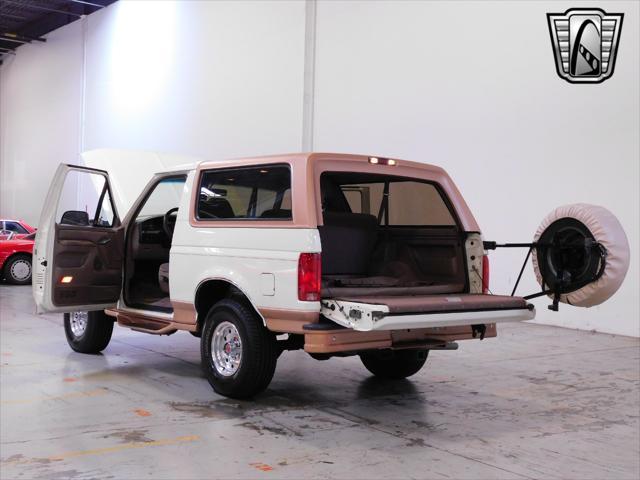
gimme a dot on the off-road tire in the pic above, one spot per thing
(259, 351)
(96, 336)
(8, 269)
(394, 364)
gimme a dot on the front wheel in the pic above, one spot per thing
(88, 332)
(394, 364)
(238, 353)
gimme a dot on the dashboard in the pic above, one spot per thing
(149, 240)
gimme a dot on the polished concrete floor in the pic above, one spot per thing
(537, 402)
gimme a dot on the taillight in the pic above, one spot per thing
(485, 274)
(309, 277)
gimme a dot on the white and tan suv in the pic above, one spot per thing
(334, 254)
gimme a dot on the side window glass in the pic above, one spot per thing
(85, 201)
(286, 200)
(262, 193)
(417, 203)
(14, 227)
(364, 198)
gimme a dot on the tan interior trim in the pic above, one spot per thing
(347, 340)
(184, 312)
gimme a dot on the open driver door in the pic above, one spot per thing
(79, 250)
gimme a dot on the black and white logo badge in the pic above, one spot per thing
(585, 42)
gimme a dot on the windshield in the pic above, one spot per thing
(165, 196)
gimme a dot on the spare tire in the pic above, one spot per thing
(582, 252)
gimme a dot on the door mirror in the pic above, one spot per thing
(75, 217)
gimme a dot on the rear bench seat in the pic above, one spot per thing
(348, 241)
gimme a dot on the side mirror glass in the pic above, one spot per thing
(75, 217)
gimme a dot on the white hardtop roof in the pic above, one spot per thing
(130, 170)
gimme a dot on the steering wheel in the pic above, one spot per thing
(8, 233)
(169, 222)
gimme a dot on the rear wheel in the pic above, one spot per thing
(239, 354)
(17, 270)
(394, 364)
(88, 332)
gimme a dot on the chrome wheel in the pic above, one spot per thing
(78, 321)
(226, 349)
(20, 270)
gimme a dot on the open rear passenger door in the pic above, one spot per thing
(79, 251)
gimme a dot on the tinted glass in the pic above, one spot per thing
(15, 227)
(262, 193)
(410, 202)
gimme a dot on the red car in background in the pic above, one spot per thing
(15, 257)
(19, 228)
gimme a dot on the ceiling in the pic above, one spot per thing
(26, 21)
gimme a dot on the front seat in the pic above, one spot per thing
(163, 277)
(216, 208)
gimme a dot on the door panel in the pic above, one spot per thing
(92, 259)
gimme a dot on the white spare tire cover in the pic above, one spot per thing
(568, 223)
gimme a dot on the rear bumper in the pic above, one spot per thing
(345, 340)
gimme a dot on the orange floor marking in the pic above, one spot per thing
(262, 466)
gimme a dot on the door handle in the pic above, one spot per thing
(104, 241)
(43, 263)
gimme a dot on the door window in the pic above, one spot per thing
(85, 201)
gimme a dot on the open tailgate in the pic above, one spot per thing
(367, 313)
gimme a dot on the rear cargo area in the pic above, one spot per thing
(391, 246)
(390, 236)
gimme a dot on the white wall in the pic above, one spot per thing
(472, 86)
(216, 79)
(40, 103)
(467, 85)
(213, 79)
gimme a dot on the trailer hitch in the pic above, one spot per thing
(479, 329)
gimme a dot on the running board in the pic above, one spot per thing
(365, 317)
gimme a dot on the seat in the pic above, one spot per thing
(276, 213)
(215, 207)
(348, 240)
(163, 277)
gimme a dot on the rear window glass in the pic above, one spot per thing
(409, 202)
(255, 193)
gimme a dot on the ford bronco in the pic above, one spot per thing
(334, 254)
